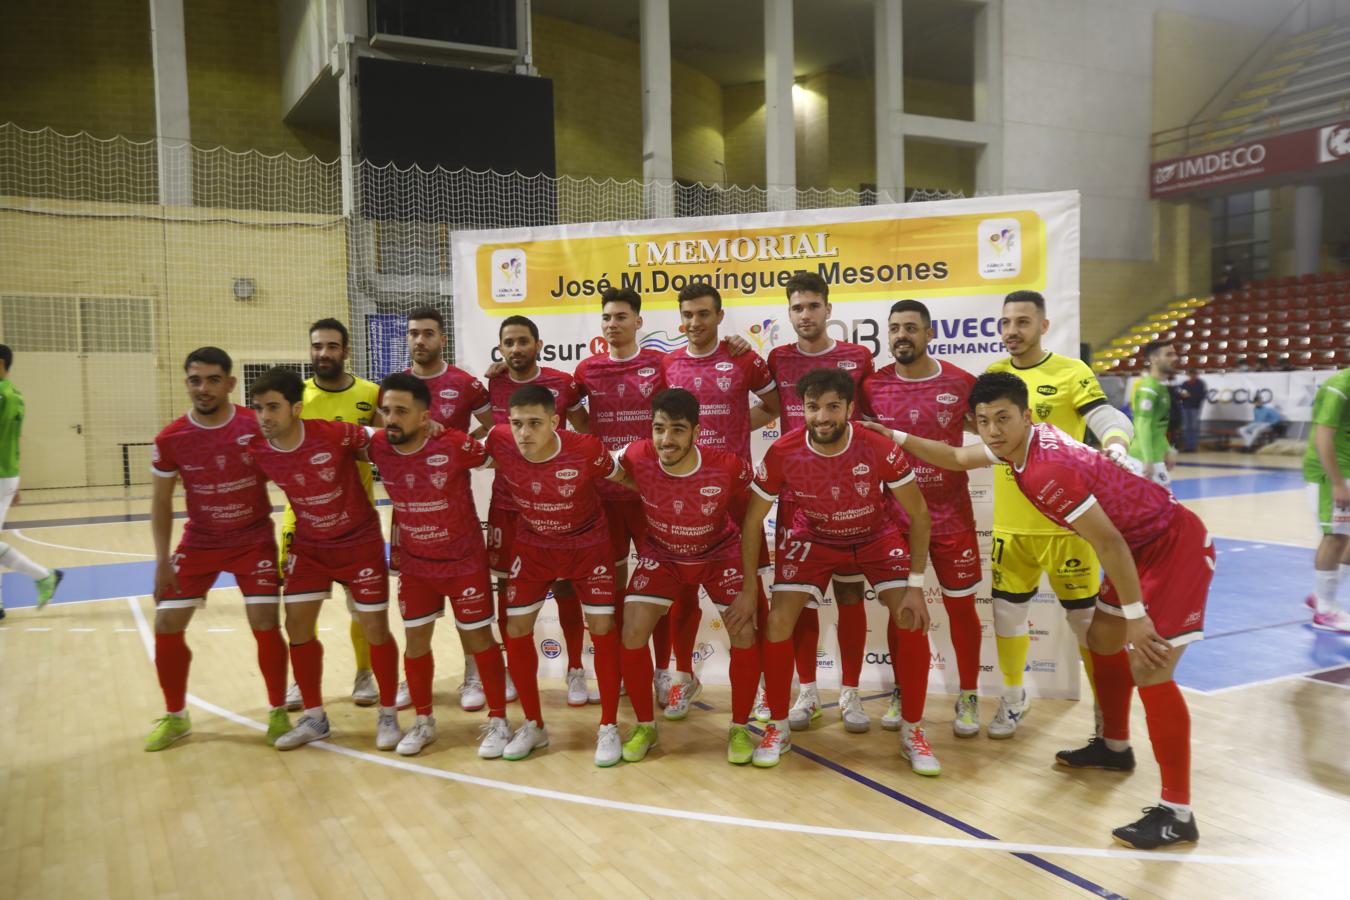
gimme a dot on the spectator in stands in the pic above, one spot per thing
(1228, 279)
(1264, 418)
(1193, 393)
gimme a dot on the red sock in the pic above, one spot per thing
(572, 623)
(1115, 686)
(384, 663)
(805, 644)
(492, 669)
(607, 675)
(910, 665)
(777, 676)
(420, 670)
(964, 623)
(891, 646)
(524, 663)
(1169, 730)
(688, 617)
(307, 664)
(637, 674)
(272, 664)
(745, 668)
(661, 642)
(172, 658)
(852, 642)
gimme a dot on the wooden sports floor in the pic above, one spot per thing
(85, 812)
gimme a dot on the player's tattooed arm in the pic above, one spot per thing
(944, 456)
(1117, 561)
(161, 528)
(766, 410)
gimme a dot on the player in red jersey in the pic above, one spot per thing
(229, 529)
(561, 534)
(337, 538)
(809, 311)
(847, 484)
(442, 553)
(722, 382)
(1159, 560)
(691, 541)
(928, 397)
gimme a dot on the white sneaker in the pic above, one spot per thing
(422, 733)
(577, 695)
(608, 746)
(306, 730)
(856, 721)
(364, 690)
(777, 740)
(404, 698)
(682, 693)
(493, 737)
(387, 732)
(914, 747)
(805, 709)
(1009, 716)
(294, 702)
(661, 683)
(761, 707)
(891, 720)
(967, 721)
(471, 695)
(528, 738)
(1337, 621)
(511, 694)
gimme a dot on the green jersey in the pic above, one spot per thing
(1330, 408)
(1151, 401)
(11, 423)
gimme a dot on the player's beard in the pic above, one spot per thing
(207, 407)
(422, 356)
(396, 435)
(660, 453)
(827, 435)
(905, 355)
(520, 364)
(328, 368)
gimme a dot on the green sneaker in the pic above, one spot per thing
(639, 742)
(891, 720)
(967, 721)
(278, 723)
(47, 586)
(740, 745)
(167, 730)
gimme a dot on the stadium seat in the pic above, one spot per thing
(1301, 358)
(1324, 359)
(1323, 341)
(1219, 361)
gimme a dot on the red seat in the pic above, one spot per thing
(1324, 359)
(1299, 328)
(1279, 343)
(1342, 340)
(1219, 361)
(1301, 358)
(1323, 341)
(1301, 342)
(1299, 315)
(1343, 358)
(1237, 346)
(1200, 361)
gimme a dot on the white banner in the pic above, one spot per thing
(1229, 396)
(960, 257)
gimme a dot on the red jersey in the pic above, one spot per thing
(556, 499)
(619, 396)
(790, 362)
(688, 516)
(840, 499)
(438, 531)
(322, 483)
(566, 395)
(456, 397)
(1064, 479)
(721, 381)
(227, 501)
(934, 408)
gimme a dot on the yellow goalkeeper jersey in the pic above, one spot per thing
(1060, 391)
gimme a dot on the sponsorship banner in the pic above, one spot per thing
(1229, 396)
(1278, 155)
(960, 257)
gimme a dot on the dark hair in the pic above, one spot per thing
(900, 306)
(1033, 297)
(284, 381)
(211, 356)
(7, 356)
(332, 325)
(678, 404)
(993, 386)
(622, 295)
(518, 320)
(533, 395)
(406, 381)
(807, 281)
(1153, 347)
(698, 290)
(428, 312)
(818, 382)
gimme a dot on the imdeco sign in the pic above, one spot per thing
(1273, 156)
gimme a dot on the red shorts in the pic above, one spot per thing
(311, 571)
(535, 568)
(627, 524)
(807, 566)
(254, 567)
(501, 534)
(956, 560)
(782, 528)
(1175, 570)
(662, 581)
(421, 599)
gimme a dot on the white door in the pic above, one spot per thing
(119, 390)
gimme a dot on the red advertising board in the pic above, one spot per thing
(1278, 155)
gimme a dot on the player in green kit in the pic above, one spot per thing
(1326, 468)
(1151, 401)
(11, 424)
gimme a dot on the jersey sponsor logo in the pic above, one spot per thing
(646, 388)
(554, 392)
(366, 572)
(710, 490)
(243, 439)
(847, 364)
(647, 372)
(439, 459)
(947, 398)
(319, 459)
(724, 383)
(835, 492)
(698, 382)
(438, 479)
(724, 366)
(567, 474)
(1047, 390)
(449, 394)
(600, 570)
(363, 406)
(550, 648)
(730, 573)
(300, 479)
(861, 469)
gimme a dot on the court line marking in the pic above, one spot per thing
(739, 821)
(32, 540)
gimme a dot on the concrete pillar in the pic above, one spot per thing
(658, 165)
(989, 94)
(890, 100)
(780, 131)
(173, 129)
(1307, 229)
(343, 61)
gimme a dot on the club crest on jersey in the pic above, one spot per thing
(328, 473)
(319, 459)
(710, 490)
(640, 582)
(861, 469)
(536, 487)
(567, 490)
(708, 508)
(410, 479)
(438, 479)
(220, 462)
(620, 387)
(834, 491)
(948, 398)
(944, 418)
(1043, 411)
(300, 479)
(447, 410)
(698, 382)
(567, 474)
(789, 571)
(449, 394)
(645, 389)
(678, 505)
(913, 416)
(439, 459)
(724, 383)
(862, 487)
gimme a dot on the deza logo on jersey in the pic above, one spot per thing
(449, 394)
(647, 372)
(439, 459)
(319, 459)
(567, 474)
(710, 490)
(1048, 390)
(724, 366)
(948, 399)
